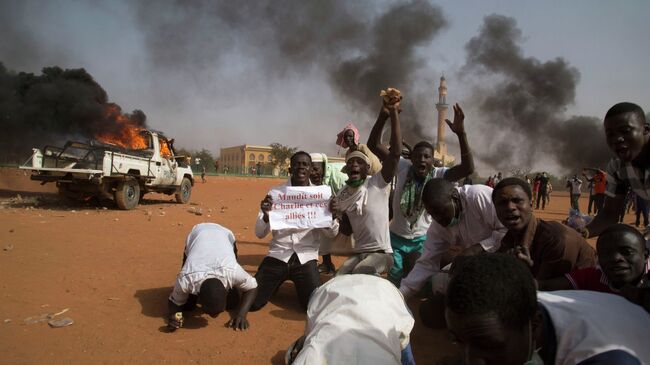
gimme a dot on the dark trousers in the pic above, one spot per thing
(273, 272)
(542, 195)
(575, 198)
(592, 200)
(599, 200)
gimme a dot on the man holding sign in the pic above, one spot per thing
(365, 201)
(297, 216)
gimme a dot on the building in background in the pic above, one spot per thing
(246, 159)
(440, 152)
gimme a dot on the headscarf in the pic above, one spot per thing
(339, 137)
(411, 199)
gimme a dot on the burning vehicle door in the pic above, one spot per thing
(167, 172)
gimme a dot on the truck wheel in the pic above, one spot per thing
(184, 192)
(69, 195)
(127, 194)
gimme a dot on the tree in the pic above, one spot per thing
(519, 172)
(198, 159)
(280, 154)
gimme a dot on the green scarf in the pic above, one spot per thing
(355, 184)
(411, 199)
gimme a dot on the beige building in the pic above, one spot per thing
(440, 152)
(242, 159)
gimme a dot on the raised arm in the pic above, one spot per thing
(389, 164)
(374, 140)
(466, 166)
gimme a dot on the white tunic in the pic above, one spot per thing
(210, 254)
(356, 319)
(589, 323)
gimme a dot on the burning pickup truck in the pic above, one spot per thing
(100, 169)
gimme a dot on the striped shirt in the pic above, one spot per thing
(622, 176)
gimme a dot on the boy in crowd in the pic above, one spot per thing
(210, 274)
(365, 201)
(463, 216)
(627, 133)
(293, 253)
(497, 317)
(410, 222)
(549, 248)
(623, 268)
(349, 138)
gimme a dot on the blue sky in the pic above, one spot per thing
(232, 104)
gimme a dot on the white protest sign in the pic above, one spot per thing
(300, 207)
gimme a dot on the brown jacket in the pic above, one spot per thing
(555, 249)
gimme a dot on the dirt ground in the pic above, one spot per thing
(114, 271)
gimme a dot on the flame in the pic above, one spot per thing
(129, 134)
(165, 151)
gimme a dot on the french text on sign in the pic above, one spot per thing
(300, 207)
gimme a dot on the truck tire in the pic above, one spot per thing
(127, 194)
(184, 191)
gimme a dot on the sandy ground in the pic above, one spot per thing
(114, 271)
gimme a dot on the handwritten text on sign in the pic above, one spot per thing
(300, 207)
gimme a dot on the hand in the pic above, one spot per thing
(334, 206)
(458, 126)
(174, 322)
(266, 206)
(238, 323)
(523, 254)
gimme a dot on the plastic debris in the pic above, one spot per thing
(58, 323)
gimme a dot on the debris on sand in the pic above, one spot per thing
(58, 323)
(196, 211)
(44, 317)
(8, 247)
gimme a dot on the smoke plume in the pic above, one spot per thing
(522, 109)
(53, 107)
(361, 47)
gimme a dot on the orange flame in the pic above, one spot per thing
(129, 134)
(165, 151)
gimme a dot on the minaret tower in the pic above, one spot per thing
(441, 106)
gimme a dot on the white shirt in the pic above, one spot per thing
(399, 225)
(575, 186)
(478, 224)
(370, 229)
(304, 242)
(588, 323)
(356, 319)
(210, 254)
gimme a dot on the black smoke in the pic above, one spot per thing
(53, 107)
(361, 47)
(522, 104)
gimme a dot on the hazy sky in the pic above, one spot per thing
(210, 86)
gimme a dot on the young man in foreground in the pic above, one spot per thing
(410, 221)
(210, 271)
(623, 268)
(293, 252)
(627, 133)
(496, 317)
(365, 201)
(551, 249)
